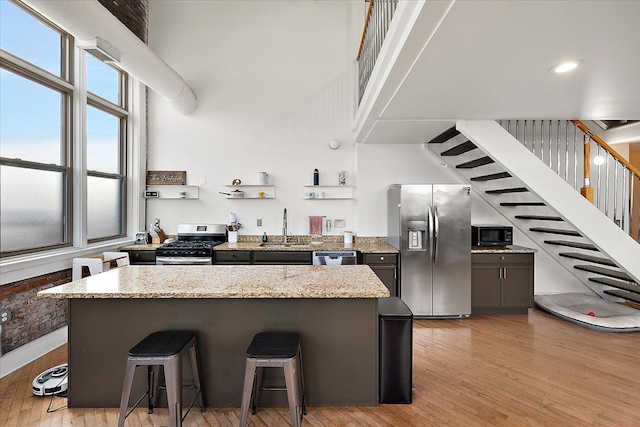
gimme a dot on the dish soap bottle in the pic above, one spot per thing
(264, 237)
(316, 177)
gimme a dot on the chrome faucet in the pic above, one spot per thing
(284, 226)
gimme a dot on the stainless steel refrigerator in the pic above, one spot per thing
(431, 227)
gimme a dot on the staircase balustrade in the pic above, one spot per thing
(379, 15)
(570, 149)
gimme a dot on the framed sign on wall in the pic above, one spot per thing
(166, 177)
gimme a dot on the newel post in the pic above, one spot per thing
(587, 190)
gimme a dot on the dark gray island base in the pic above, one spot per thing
(111, 312)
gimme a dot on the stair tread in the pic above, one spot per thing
(555, 231)
(604, 271)
(521, 203)
(508, 190)
(490, 177)
(540, 217)
(475, 163)
(590, 258)
(625, 295)
(445, 136)
(459, 149)
(616, 284)
(580, 245)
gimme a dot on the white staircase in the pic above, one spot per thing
(543, 206)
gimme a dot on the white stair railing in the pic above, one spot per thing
(569, 148)
(378, 19)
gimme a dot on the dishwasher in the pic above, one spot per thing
(334, 258)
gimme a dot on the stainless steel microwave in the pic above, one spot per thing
(491, 235)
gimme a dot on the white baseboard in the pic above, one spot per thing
(29, 352)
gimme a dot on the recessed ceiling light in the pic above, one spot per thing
(565, 67)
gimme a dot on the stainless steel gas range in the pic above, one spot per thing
(194, 245)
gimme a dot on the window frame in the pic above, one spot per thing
(63, 85)
(122, 114)
(22, 265)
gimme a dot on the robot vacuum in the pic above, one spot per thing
(52, 381)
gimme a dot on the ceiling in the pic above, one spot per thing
(491, 60)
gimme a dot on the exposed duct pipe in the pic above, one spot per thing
(88, 20)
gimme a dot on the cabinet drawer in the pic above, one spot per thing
(502, 259)
(282, 257)
(232, 256)
(389, 259)
(142, 257)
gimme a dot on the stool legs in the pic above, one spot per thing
(196, 375)
(153, 372)
(293, 392)
(247, 390)
(173, 378)
(126, 391)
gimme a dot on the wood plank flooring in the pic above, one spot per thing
(513, 370)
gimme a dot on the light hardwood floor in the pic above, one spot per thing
(533, 370)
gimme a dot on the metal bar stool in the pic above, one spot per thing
(274, 350)
(163, 349)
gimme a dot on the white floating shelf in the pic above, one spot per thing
(171, 192)
(251, 191)
(331, 192)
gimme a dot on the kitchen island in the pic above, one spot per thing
(334, 309)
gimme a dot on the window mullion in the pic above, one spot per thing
(79, 144)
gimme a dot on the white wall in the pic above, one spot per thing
(275, 82)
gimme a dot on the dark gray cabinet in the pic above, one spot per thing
(501, 283)
(282, 257)
(262, 257)
(142, 257)
(386, 268)
(232, 257)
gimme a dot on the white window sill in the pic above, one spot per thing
(33, 265)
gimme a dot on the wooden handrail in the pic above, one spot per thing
(606, 147)
(364, 30)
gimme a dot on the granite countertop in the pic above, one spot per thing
(511, 249)
(365, 247)
(140, 247)
(242, 281)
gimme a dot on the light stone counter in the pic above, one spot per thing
(365, 247)
(246, 281)
(511, 249)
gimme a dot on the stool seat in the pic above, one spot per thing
(274, 344)
(162, 344)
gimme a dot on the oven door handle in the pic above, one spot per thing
(182, 261)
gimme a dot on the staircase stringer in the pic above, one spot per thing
(559, 196)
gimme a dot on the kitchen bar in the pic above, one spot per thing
(334, 309)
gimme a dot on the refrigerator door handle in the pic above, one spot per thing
(436, 231)
(431, 234)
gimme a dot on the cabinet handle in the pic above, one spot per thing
(505, 273)
(381, 258)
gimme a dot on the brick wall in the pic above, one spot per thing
(132, 13)
(33, 317)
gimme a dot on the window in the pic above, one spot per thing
(42, 141)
